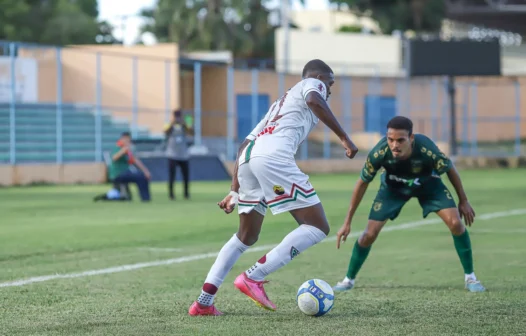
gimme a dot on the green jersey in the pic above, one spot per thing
(408, 175)
(119, 166)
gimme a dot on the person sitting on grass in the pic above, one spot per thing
(120, 172)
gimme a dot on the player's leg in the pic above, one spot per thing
(171, 178)
(252, 211)
(437, 198)
(288, 190)
(387, 205)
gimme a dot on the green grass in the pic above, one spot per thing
(412, 283)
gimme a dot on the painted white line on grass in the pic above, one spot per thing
(131, 267)
(161, 249)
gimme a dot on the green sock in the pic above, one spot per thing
(463, 247)
(359, 254)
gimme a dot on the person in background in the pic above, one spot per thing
(122, 160)
(177, 133)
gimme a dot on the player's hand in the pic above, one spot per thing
(148, 175)
(466, 212)
(342, 234)
(350, 148)
(229, 202)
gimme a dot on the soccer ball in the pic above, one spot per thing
(315, 297)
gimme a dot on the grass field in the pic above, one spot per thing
(412, 283)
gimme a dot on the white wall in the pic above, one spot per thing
(329, 21)
(346, 53)
(26, 79)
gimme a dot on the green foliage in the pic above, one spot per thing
(57, 22)
(350, 29)
(238, 25)
(417, 15)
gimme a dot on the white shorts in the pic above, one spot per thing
(279, 186)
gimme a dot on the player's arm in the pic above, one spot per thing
(442, 164)
(228, 203)
(314, 96)
(142, 167)
(357, 195)
(119, 153)
(371, 167)
(319, 107)
(235, 182)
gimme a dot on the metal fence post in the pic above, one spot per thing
(197, 103)
(60, 154)
(254, 118)
(465, 119)
(98, 109)
(12, 106)
(135, 104)
(518, 148)
(347, 104)
(281, 84)
(167, 89)
(434, 109)
(474, 121)
(230, 151)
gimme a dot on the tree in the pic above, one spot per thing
(57, 22)
(238, 25)
(417, 15)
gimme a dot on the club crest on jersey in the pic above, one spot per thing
(416, 167)
(293, 252)
(278, 190)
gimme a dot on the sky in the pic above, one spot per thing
(123, 13)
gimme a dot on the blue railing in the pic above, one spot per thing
(78, 123)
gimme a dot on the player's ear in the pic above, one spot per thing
(412, 137)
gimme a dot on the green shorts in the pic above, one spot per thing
(433, 196)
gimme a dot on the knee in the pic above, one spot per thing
(368, 237)
(248, 238)
(455, 226)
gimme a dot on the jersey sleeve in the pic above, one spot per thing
(261, 125)
(374, 161)
(441, 163)
(314, 85)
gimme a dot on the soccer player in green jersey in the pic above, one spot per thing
(413, 165)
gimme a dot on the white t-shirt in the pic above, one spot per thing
(286, 125)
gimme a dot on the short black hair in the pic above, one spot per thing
(401, 123)
(126, 134)
(316, 65)
(177, 113)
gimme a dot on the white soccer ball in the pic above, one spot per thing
(315, 297)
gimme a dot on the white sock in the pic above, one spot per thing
(293, 244)
(225, 260)
(470, 277)
(347, 280)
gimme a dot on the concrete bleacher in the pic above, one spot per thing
(36, 133)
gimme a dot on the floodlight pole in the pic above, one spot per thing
(285, 24)
(452, 90)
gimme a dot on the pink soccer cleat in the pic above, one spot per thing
(254, 290)
(198, 310)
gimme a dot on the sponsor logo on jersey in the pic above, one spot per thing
(410, 182)
(278, 190)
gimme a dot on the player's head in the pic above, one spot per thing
(125, 138)
(320, 70)
(178, 116)
(400, 136)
